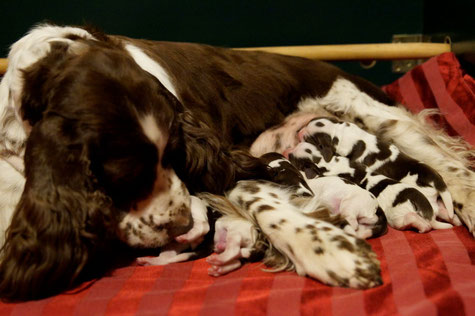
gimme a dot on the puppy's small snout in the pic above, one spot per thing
(288, 152)
(301, 134)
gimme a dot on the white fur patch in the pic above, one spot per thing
(11, 188)
(344, 97)
(27, 51)
(151, 66)
(168, 206)
(150, 128)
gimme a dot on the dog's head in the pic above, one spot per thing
(96, 166)
(109, 152)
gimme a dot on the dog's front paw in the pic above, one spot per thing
(328, 254)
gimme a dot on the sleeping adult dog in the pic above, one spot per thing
(121, 131)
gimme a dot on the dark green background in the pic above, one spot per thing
(251, 23)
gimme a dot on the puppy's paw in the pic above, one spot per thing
(200, 224)
(234, 239)
(171, 253)
(409, 220)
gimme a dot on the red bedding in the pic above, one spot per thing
(424, 274)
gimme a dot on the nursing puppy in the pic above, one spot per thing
(357, 206)
(403, 204)
(346, 139)
(281, 171)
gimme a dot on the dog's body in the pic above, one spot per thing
(120, 131)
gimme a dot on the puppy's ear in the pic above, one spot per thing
(327, 153)
(60, 220)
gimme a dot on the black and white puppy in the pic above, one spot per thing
(403, 204)
(281, 171)
(346, 139)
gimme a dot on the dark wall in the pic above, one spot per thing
(230, 23)
(455, 18)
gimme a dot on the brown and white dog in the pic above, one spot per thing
(119, 132)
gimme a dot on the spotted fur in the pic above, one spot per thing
(293, 226)
(348, 140)
(403, 204)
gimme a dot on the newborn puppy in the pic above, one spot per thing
(174, 251)
(281, 171)
(346, 139)
(234, 239)
(391, 195)
(357, 206)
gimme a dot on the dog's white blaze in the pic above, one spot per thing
(150, 128)
(151, 66)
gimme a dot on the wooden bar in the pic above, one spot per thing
(3, 65)
(391, 51)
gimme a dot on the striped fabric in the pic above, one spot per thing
(424, 274)
(440, 83)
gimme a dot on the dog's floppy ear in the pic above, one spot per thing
(204, 162)
(36, 82)
(55, 229)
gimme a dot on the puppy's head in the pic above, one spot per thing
(94, 166)
(283, 172)
(306, 158)
(320, 133)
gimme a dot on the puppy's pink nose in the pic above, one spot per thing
(301, 134)
(287, 152)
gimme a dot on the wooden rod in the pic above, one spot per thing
(346, 52)
(360, 51)
(3, 65)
